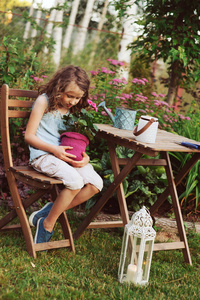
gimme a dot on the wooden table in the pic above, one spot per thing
(165, 143)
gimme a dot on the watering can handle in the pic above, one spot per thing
(143, 129)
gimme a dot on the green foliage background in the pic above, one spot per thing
(20, 64)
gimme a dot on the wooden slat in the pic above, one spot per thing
(18, 114)
(52, 245)
(34, 178)
(23, 93)
(164, 246)
(168, 246)
(11, 227)
(144, 162)
(109, 224)
(20, 103)
(31, 173)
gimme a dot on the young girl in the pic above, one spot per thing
(66, 92)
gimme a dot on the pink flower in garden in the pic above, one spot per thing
(117, 80)
(127, 96)
(187, 118)
(144, 79)
(181, 117)
(105, 70)
(92, 104)
(115, 62)
(44, 76)
(104, 113)
(37, 79)
(154, 94)
(161, 103)
(162, 95)
(139, 81)
(94, 72)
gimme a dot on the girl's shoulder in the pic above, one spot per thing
(42, 100)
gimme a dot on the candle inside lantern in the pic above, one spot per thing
(131, 272)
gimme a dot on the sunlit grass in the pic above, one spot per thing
(91, 273)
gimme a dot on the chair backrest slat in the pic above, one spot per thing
(18, 114)
(20, 103)
(23, 93)
(15, 103)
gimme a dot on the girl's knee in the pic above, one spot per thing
(93, 189)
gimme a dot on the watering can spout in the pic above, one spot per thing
(103, 104)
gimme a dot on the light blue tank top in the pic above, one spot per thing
(48, 130)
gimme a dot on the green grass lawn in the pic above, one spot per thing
(91, 273)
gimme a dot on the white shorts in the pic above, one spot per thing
(72, 178)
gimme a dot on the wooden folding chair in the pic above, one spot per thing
(17, 104)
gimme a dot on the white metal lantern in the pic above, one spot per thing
(137, 249)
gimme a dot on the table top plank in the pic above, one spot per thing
(165, 141)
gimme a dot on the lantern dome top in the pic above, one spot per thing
(141, 223)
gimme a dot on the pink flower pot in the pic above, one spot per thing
(76, 140)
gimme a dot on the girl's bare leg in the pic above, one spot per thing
(87, 192)
(68, 199)
(61, 204)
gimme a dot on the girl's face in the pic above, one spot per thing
(71, 96)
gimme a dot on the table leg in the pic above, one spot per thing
(108, 193)
(177, 209)
(120, 190)
(188, 166)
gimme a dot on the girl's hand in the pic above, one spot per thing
(81, 163)
(59, 151)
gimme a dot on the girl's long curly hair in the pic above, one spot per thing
(58, 83)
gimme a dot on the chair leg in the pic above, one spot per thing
(22, 215)
(67, 230)
(64, 221)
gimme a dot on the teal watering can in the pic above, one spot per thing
(124, 118)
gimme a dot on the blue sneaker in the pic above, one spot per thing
(43, 212)
(42, 235)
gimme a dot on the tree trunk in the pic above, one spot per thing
(38, 17)
(49, 27)
(82, 31)
(129, 32)
(173, 84)
(57, 35)
(99, 28)
(28, 24)
(72, 19)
